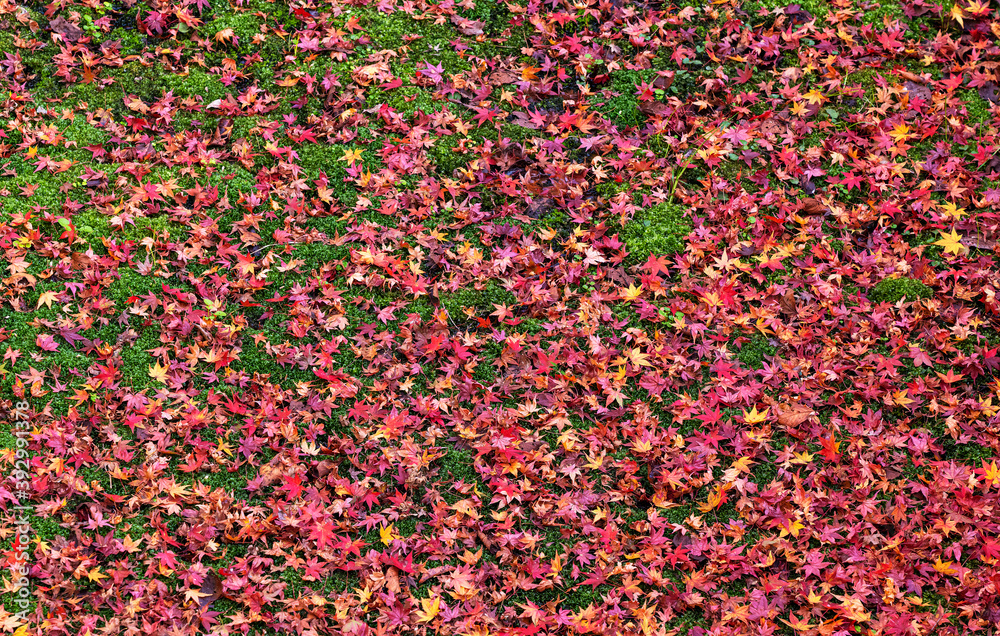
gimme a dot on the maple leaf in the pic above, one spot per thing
(990, 474)
(631, 292)
(951, 242)
(388, 534)
(900, 133)
(46, 342)
(952, 211)
(158, 372)
(430, 607)
(194, 595)
(831, 448)
(946, 567)
(815, 97)
(790, 526)
(351, 156)
(956, 14)
(323, 533)
(638, 358)
(716, 498)
(96, 575)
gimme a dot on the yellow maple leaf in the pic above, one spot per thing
(801, 458)
(351, 156)
(951, 242)
(96, 575)
(953, 211)
(753, 417)
(978, 8)
(431, 607)
(790, 527)
(225, 448)
(388, 534)
(956, 12)
(632, 292)
(193, 595)
(639, 358)
(900, 132)
(46, 299)
(158, 372)
(815, 97)
(991, 473)
(743, 464)
(641, 446)
(945, 567)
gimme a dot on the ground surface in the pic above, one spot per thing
(502, 318)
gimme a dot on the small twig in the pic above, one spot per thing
(670, 200)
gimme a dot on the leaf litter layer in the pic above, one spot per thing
(513, 318)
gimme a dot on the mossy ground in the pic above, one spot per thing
(658, 229)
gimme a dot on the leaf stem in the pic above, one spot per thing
(670, 200)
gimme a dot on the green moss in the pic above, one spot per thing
(481, 300)
(892, 290)
(621, 103)
(610, 188)
(459, 464)
(867, 80)
(244, 27)
(407, 100)
(486, 370)
(195, 82)
(658, 229)
(445, 156)
(977, 109)
(752, 353)
(888, 9)
(817, 8)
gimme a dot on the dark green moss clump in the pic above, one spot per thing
(753, 353)
(621, 105)
(892, 290)
(659, 229)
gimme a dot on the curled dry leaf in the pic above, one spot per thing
(812, 207)
(468, 27)
(793, 415)
(211, 589)
(71, 32)
(788, 303)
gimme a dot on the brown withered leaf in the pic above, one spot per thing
(988, 91)
(392, 580)
(979, 240)
(792, 415)
(222, 133)
(505, 77)
(466, 26)
(211, 589)
(70, 31)
(787, 303)
(664, 82)
(79, 260)
(539, 207)
(812, 207)
(917, 89)
(325, 467)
